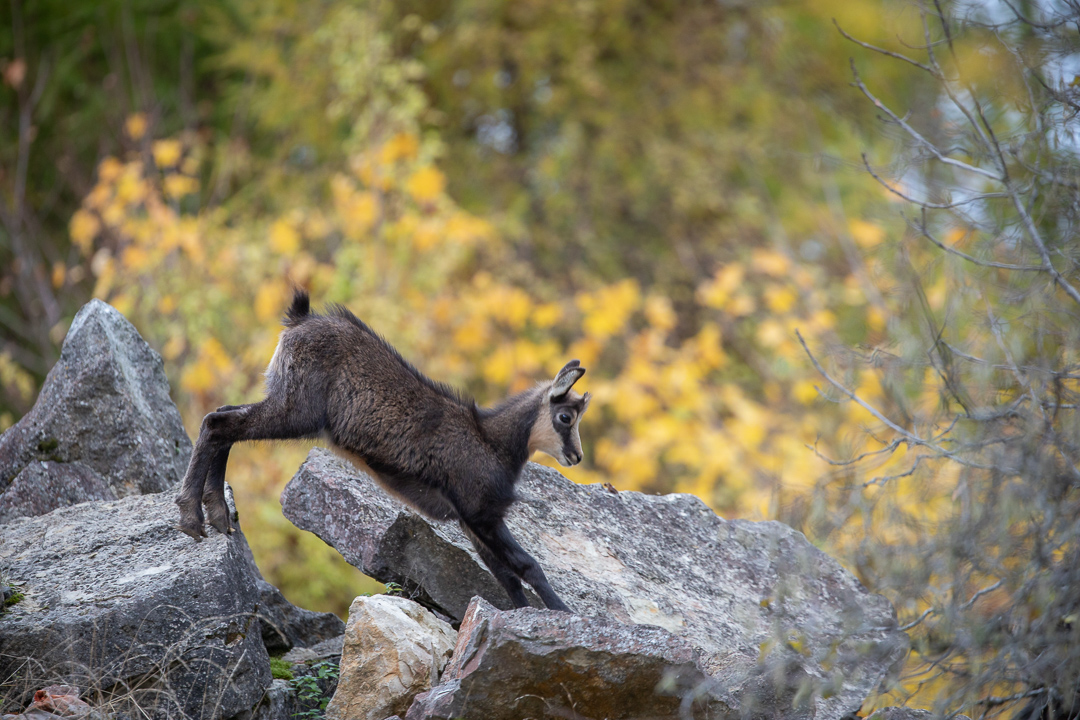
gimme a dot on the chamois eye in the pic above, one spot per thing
(564, 418)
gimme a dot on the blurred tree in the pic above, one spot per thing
(72, 75)
(975, 533)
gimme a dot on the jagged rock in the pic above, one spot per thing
(777, 622)
(394, 649)
(117, 600)
(285, 626)
(105, 411)
(535, 663)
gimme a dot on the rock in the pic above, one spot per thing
(43, 486)
(537, 663)
(329, 649)
(117, 600)
(56, 701)
(776, 621)
(279, 703)
(394, 649)
(285, 626)
(434, 563)
(104, 410)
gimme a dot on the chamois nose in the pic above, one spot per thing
(574, 458)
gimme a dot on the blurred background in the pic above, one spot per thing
(669, 191)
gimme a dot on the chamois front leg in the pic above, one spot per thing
(502, 572)
(506, 551)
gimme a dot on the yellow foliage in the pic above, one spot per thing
(177, 185)
(269, 301)
(546, 315)
(426, 184)
(659, 312)
(166, 153)
(609, 309)
(84, 227)
(743, 304)
(717, 291)
(135, 258)
(135, 126)
(771, 333)
(402, 146)
(805, 392)
(770, 262)
(865, 233)
(284, 239)
(780, 299)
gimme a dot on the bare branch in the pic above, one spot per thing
(917, 136)
(925, 232)
(883, 51)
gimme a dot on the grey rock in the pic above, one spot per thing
(776, 622)
(286, 626)
(105, 406)
(535, 663)
(329, 649)
(434, 563)
(42, 486)
(117, 600)
(279, 703)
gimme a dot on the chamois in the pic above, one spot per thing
(436, 449)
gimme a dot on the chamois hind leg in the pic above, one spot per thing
(190, 497)
(266, 420)
(213, 495)
(502, 572)
(496, 536)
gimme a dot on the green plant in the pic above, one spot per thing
(309, 689)
(9, 595)
(281, 669)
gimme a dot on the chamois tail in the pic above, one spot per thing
(300, 309)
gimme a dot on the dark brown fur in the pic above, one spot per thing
(333, 376)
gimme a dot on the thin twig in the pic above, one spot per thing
(915, 134)
(883, 51)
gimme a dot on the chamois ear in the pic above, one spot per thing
(566, 379)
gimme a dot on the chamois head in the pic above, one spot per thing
(555, 431)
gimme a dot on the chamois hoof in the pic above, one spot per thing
(195, 532)
(217, 513)
(191, 519)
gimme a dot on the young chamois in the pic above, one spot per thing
(332, 376)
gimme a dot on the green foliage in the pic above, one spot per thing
(311, 689)
(280, 669)
(10, 599)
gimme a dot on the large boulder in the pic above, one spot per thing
(394, 650)
(117, 601)
(103, 426)
(776, 622)
(536, 663)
